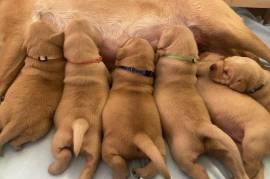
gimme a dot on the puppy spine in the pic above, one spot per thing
(146, 145)
(79, 127)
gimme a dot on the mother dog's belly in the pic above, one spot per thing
(116, 20)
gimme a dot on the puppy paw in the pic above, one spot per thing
(18, 131)
(62, 151)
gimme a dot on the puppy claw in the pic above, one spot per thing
(134, 173)
(17, 147)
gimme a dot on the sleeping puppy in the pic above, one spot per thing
(185, 119)
(243, 75)
(131, 121)
(240, 116)
(78, 116)
(27, 111)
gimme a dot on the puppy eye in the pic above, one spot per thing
(43, 58)
(240, 80)
(226, 72)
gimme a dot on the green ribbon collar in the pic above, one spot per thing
(191, 59)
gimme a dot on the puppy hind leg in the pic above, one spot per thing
(185, 159)
(61, 144)
(29, 135)
(91, 150)
(9, 132)
(4, 118)
(219, 151)
(254, 149)
(260, 174)
(116, 162)
(150, 169)
(19, 141)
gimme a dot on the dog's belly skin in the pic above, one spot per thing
(116, 20)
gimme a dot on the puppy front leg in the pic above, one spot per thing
(61, 145)
(116, 162)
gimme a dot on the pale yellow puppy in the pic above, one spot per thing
(78, 116)
(244, 75)
(240, 116)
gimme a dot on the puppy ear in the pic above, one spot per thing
(57, 39)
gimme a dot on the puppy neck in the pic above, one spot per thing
(262, 85)
(124, 80)
(49, 68)
(86, 74)
(171, 71)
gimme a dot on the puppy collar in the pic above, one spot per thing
(42, 58)
(191, 59)
(254, 90)
(98, 60)
(145, 73)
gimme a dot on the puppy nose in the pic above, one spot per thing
(213, 67)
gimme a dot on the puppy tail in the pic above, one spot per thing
(79, 127)
(146, 145)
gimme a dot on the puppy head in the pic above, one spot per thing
(82, 41)
(206, 60)
(177, 40)
(239, 73)
(44, 42)
(136, 52)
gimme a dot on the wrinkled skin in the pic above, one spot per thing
(240, 116)
(214, 24)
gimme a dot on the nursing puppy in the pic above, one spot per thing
(240, 116)
(27, 111)
(243, 75)
(184, 117)
(78, 116)
(131, 121)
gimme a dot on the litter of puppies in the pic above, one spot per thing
(161, 90)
